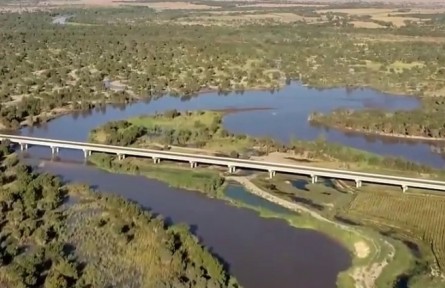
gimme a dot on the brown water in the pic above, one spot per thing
(261, 253)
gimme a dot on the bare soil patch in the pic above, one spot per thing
(278, 17)
(398, 38)
(281, 5)
(363, 24)
(392, 15)
(361, 249)
(178, 6)
(33, 6)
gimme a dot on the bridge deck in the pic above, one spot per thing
(359, 177)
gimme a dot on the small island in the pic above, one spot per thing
(334, 207)
(203, 132)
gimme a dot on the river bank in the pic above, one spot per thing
(43, 215)
(101, 120)
(432, 140)
(286, 122)
(371, 252)
(207, 181)
(372, 208)
(172, 174)
(424, 123)
(203, 132)
(377, 260)
(368, 263)
(255, 250)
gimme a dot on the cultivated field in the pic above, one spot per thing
(397, 17)
(51, 4)
(420, 217)
(238, 18)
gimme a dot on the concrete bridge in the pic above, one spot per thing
(231, 163)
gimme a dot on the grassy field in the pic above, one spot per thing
(195, 131)
(183, 121)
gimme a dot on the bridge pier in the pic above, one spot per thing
(157, 160)
(120, 156)
(23, 142)
(314, 179)
(23, 146)
(86, 153)
(404, 188)
(193, 164)
(271, 174)
(54, 150)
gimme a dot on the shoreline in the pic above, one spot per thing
(55, 113)
(382, 135)
(363, 276)
(365, 248)
(62, 111)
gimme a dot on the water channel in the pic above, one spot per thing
(286, 119)
(259, 252)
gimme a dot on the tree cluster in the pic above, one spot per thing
(428, 121)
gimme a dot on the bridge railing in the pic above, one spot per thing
(230, 162)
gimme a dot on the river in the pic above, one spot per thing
(287, 118)
(259, 252)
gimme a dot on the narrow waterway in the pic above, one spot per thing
(261, 253)
(286, 120)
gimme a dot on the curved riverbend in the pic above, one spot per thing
(287, 118)
(259, 252)
(256, 250)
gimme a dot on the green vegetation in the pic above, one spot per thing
(418, 217)
(52, 68)
(368, 248)
(48, 69)
(92, 240)
(427, 122)
(332, 154)
(199, 129)
(203, 180)
(334, 200)
(127, 246)
(203, 130)
(412, 218)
